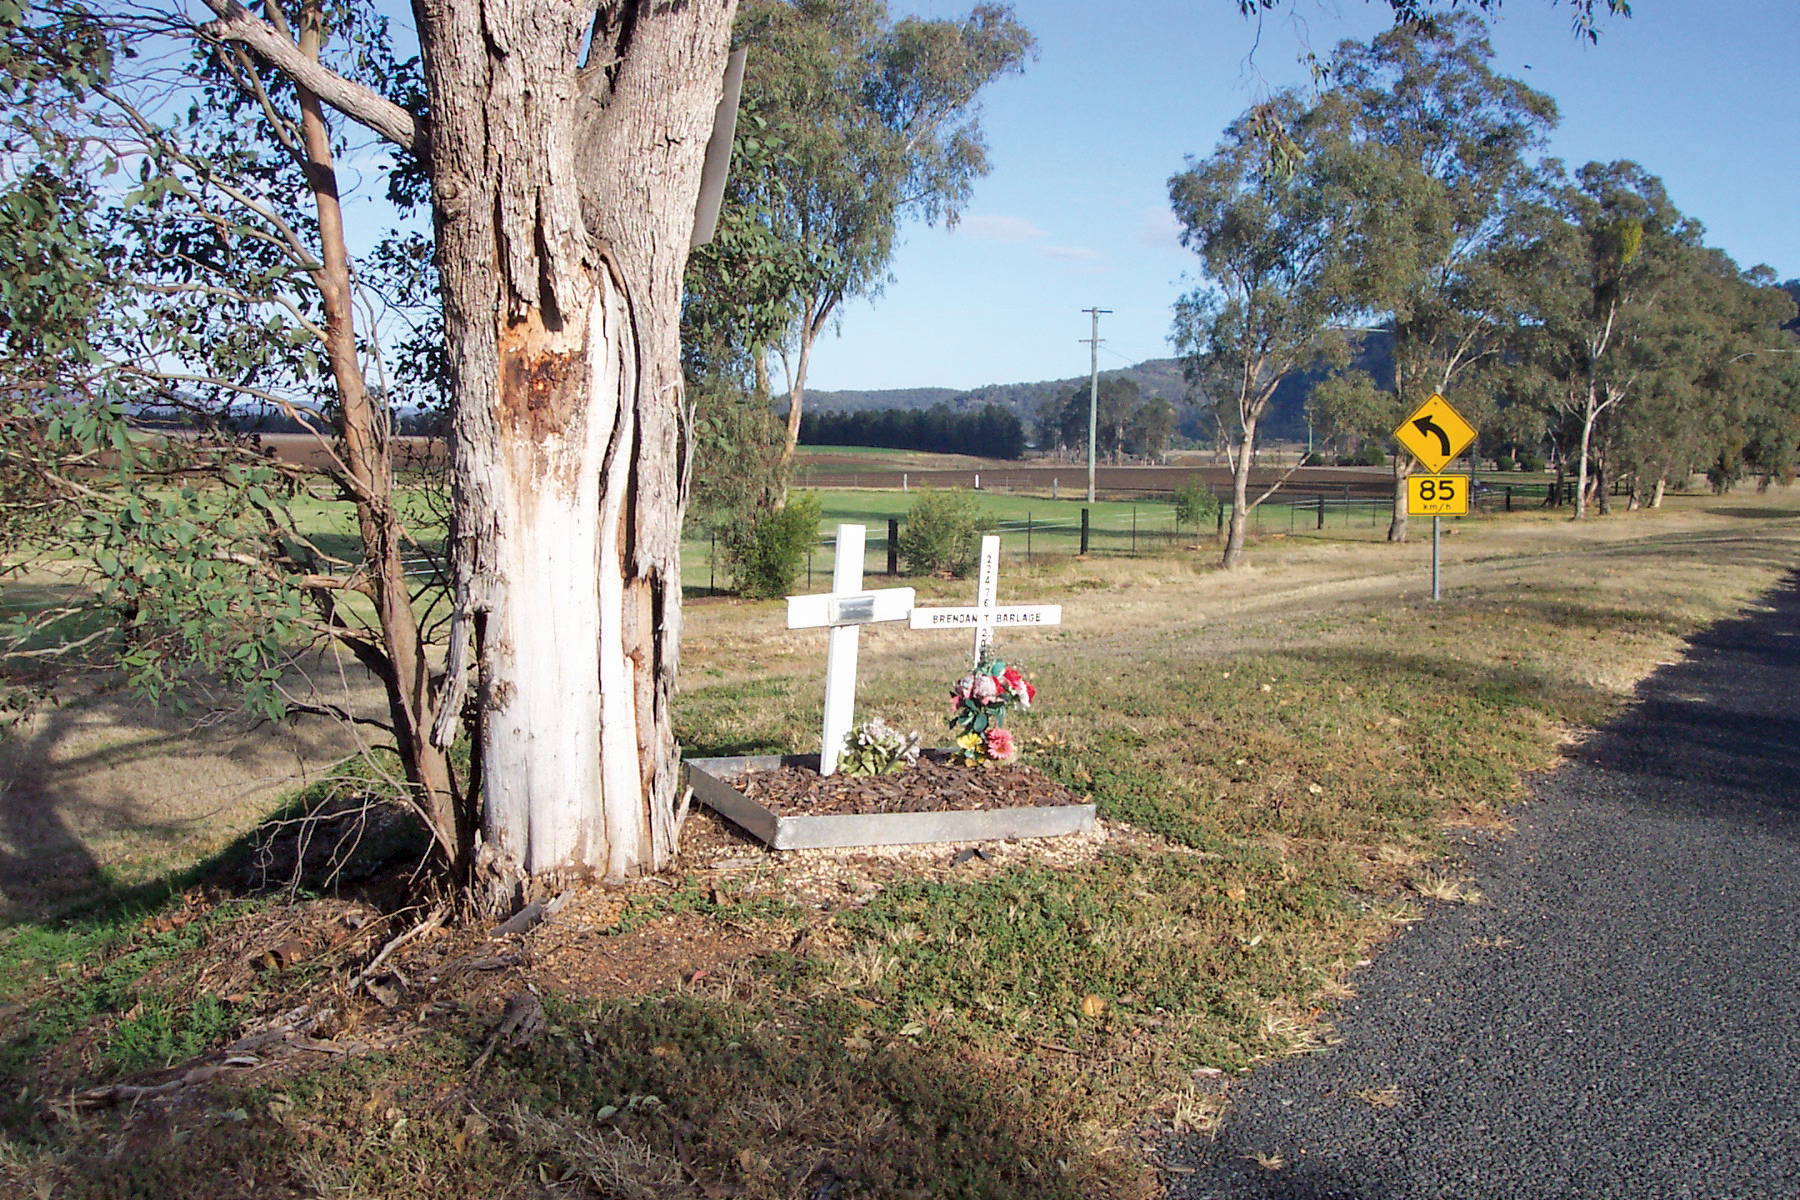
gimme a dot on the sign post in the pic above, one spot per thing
(1436, 435)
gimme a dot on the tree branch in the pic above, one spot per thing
(354, 100)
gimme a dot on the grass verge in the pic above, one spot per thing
(1287, 759)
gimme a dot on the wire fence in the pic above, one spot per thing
(1141, 529)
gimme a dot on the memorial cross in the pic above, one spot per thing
(844, 610)
(985, 614)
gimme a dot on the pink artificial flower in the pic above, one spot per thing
(1001, 745)
(965, 687)
(986, 689)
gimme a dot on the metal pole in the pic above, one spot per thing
(1084, 531)
(1027, 537)
(1437, 538)
(1093, 395)
(893, 545)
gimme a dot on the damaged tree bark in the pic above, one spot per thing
(565, 149)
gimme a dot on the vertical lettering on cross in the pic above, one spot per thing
(987, 592)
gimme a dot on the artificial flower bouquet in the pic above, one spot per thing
(877, 748)
(978, 705)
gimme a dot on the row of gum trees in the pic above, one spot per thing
(1404, 199)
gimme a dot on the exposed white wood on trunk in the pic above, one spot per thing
(565, 201)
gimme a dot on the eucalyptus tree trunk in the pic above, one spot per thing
(812, 322)
(1240, 496)
(1588, 416)
(564, 147)
(1402, 472)
(564, 202)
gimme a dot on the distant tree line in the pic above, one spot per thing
(991, 432)
(1125, 424)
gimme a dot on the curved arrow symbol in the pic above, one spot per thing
(1425, 425)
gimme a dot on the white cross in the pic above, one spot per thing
(844, 609)
(986, 615)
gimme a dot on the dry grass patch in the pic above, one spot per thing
(1387, 1097)
(1436, 885)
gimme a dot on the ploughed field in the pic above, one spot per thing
(830, 468)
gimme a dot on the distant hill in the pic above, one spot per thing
(1155, 377)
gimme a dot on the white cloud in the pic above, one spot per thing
(1007, 230)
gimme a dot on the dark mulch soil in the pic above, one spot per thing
(930, 785)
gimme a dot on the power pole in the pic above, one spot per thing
(1093, 392)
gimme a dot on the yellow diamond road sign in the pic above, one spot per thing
(1436, 434)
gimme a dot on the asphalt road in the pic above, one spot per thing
(1621, 1020)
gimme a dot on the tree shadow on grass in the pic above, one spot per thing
(103, 790)
(1754, 514)
(672, 1096)
(93, 788)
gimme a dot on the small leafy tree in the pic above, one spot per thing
(768, 552)
(880, 121)
(1195, 503)
(939, 532)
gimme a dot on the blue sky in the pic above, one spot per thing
(1074, 211)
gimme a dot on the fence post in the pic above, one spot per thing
(893, 545)
(1321, 524)
(1220, 513)
(1027, 537)
(712, 566)
(1509, 497)
(903, 482)
(1134, 531)
(1084, 532)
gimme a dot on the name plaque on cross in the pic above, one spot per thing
(986, 615)
(844, 610)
